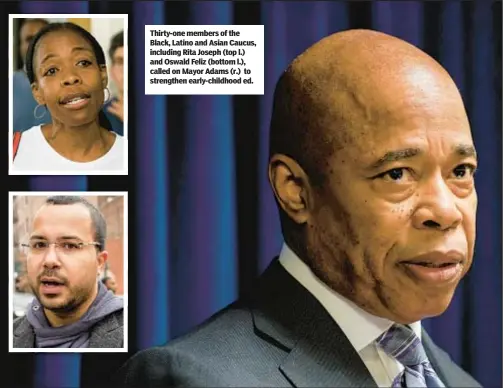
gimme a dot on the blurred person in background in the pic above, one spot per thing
(23, 296)
(24, 105)
(115, 107)
(65, 254)
(109, 282)
(21, 283)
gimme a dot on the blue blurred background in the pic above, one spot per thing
(203, 223)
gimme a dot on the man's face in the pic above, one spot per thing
(394, 227)
(28, 31)
(66, 277)
(117, 72)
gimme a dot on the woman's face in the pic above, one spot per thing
(68, 78)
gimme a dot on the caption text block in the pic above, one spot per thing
(204, 59)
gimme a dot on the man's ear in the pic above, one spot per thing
(37, 93)
(104, 76)
(291, 187)
(102, 259)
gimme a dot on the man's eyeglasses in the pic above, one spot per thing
(38, 247)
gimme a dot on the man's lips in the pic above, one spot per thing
(437, 258)
(73, 98)
(437, 267)
(51, 280)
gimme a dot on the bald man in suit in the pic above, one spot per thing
(371, 163)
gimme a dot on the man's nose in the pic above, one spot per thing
(51, 257)
(438, 207)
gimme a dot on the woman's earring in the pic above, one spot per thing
(35, 111)
(107, 98)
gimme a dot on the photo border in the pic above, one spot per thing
(125, 169)
(124, 349)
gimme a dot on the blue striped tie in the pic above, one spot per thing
(401, 343)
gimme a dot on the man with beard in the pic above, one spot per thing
(65, 253)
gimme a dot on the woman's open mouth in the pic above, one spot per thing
(75, 101)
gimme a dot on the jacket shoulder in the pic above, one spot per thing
(109, 332)
(214, 353)
(24, 336)
(19, 321)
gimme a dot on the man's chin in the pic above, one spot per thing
(55, 303)
(58, 308)
(417, 311)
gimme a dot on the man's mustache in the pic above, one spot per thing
(51, 274)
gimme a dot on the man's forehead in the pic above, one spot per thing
(366, 119)
(63, 216)
(366, 77)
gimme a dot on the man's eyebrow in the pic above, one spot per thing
(465, 150)
(396, 155)
(39, 237)
(68, 238)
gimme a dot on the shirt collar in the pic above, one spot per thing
(360, 327)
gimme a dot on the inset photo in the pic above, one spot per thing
(68, 99)
(68, 272)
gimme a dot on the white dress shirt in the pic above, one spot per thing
(360, 327)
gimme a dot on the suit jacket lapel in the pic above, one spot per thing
(437, 360)
(289, 316)
(325, 359)
(450, 374)
(107, 333)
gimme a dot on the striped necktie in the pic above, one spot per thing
(401, 343)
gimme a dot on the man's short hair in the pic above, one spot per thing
(116, 42)
(98, 221)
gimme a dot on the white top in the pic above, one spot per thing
(360, 327)
(35, 155)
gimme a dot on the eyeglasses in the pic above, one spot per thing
(65, 247)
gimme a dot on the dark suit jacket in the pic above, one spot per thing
(107, 333)
(283, 337)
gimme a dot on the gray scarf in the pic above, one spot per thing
(75, 335)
